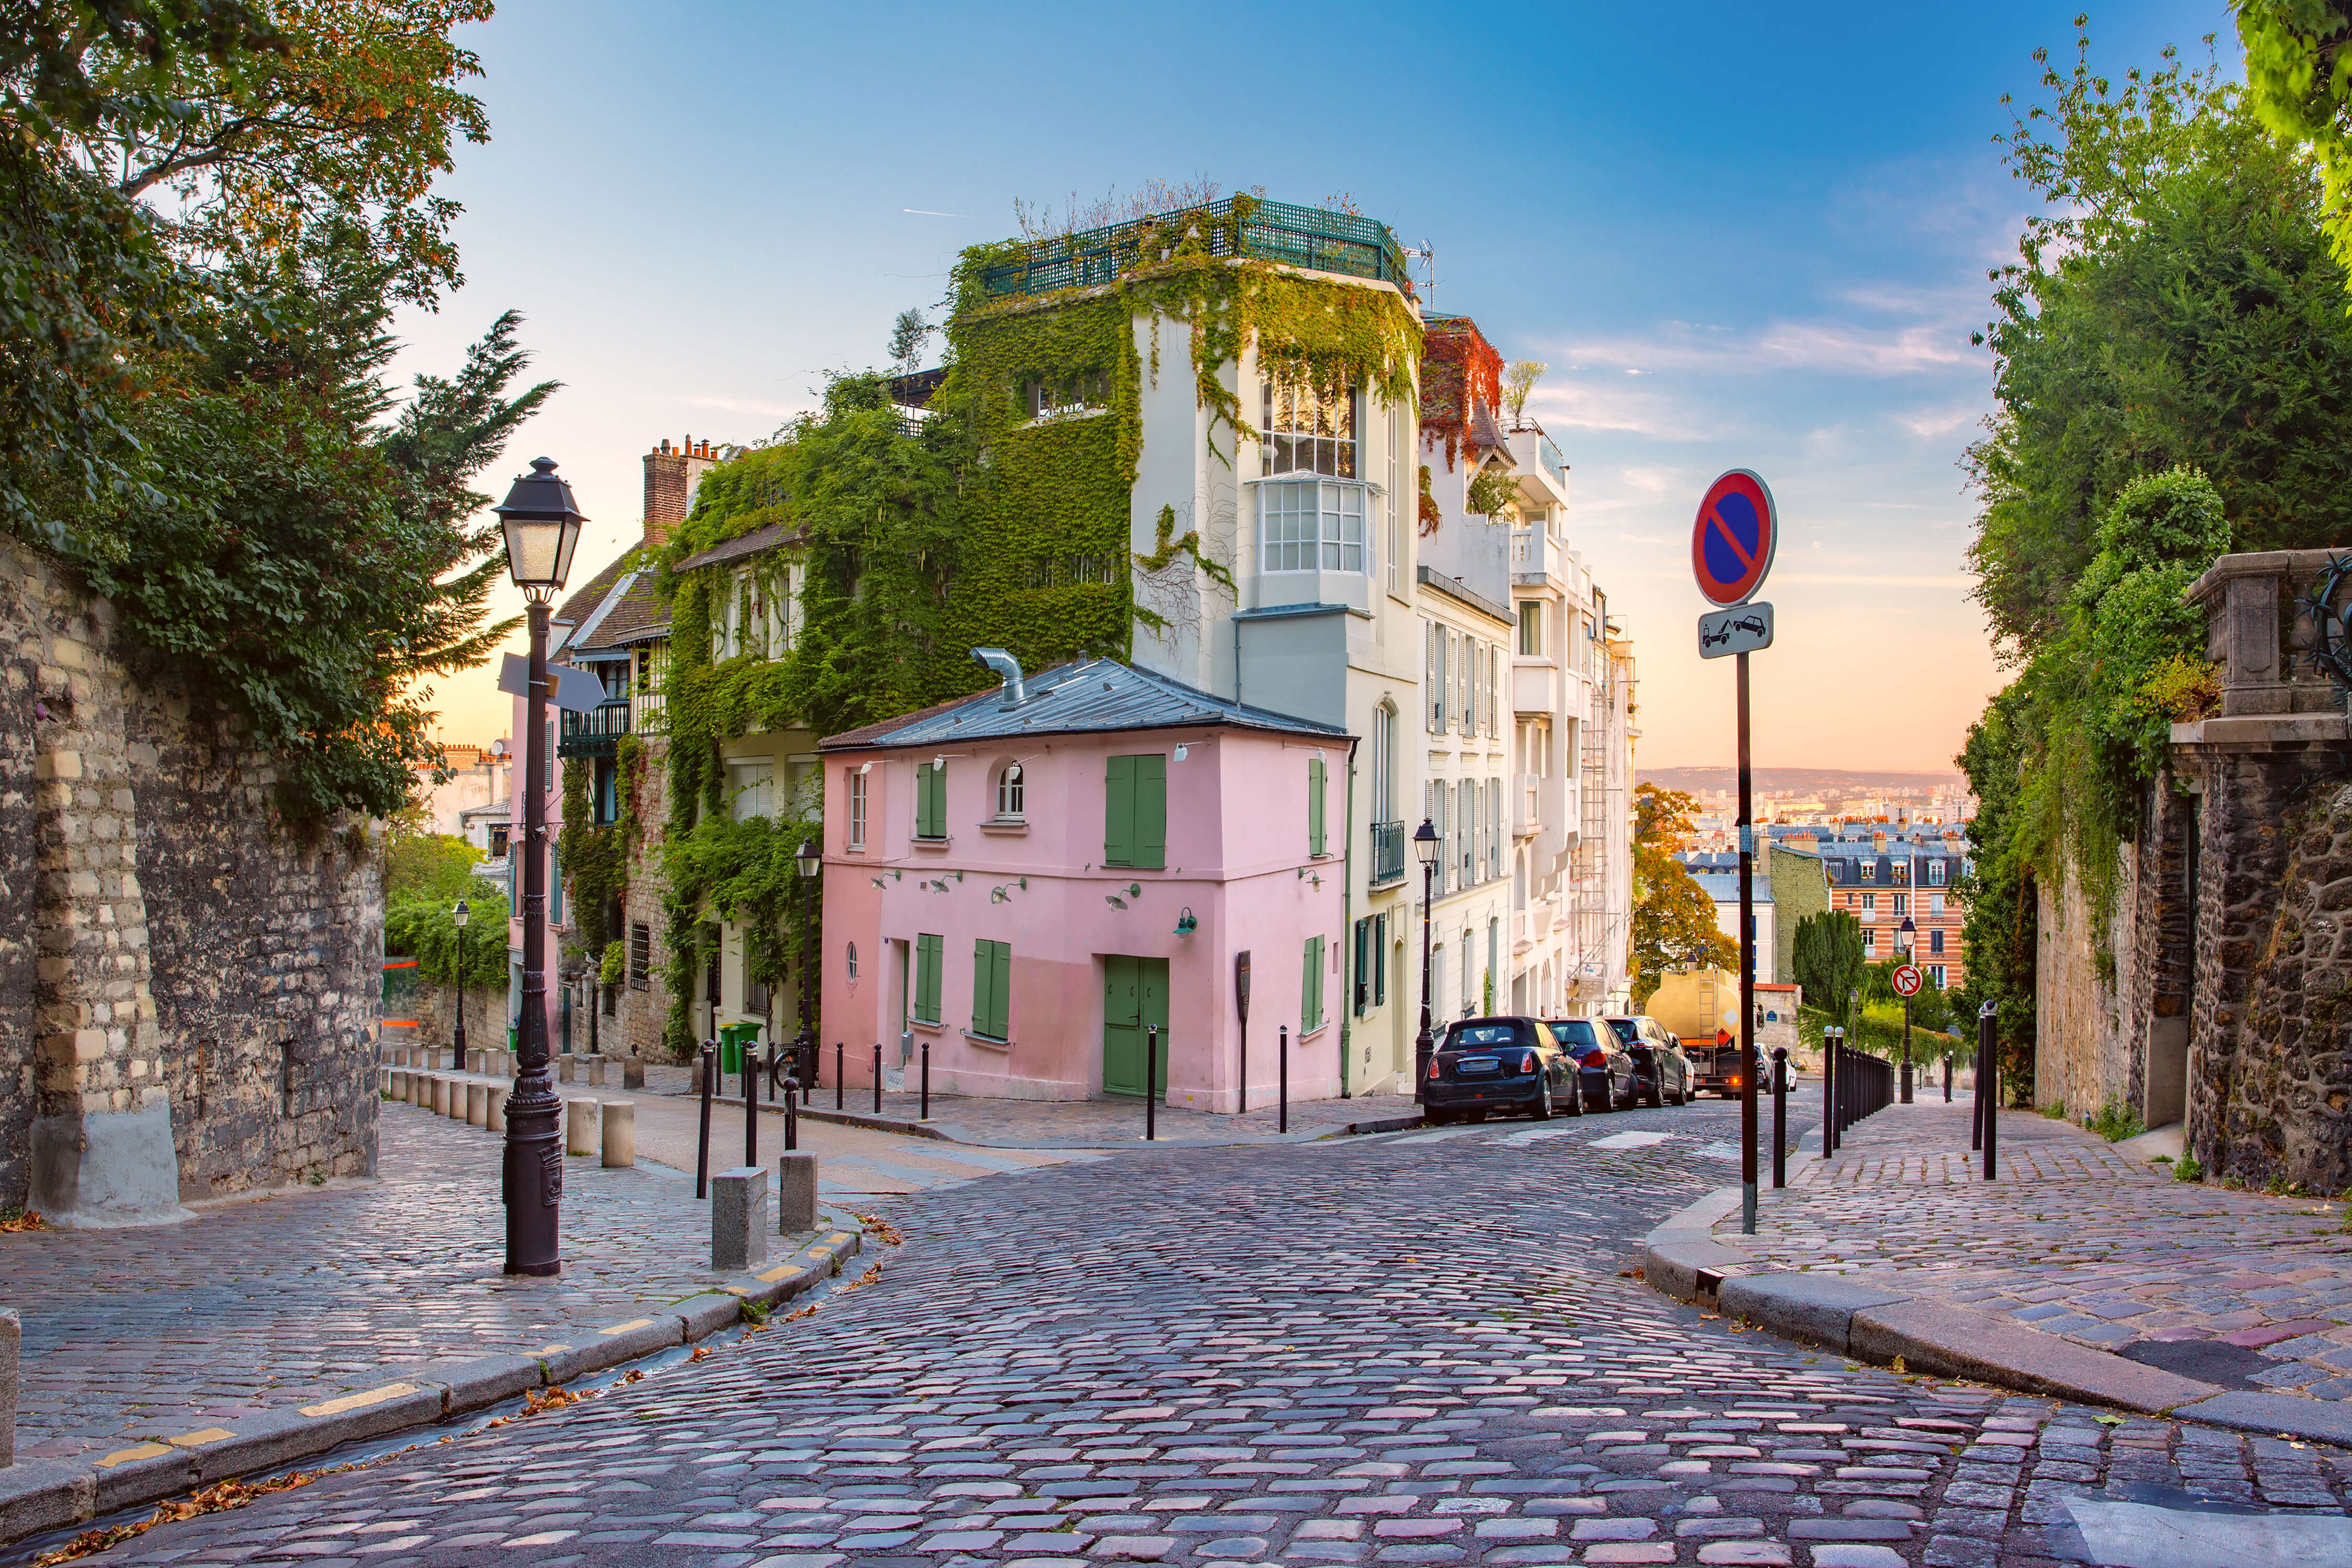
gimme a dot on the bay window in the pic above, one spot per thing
(1309, 525)
(1307, 431)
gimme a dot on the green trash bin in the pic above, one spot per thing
(731, 1041)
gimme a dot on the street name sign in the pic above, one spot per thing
(573, 690)
(1733, 541)
(1743, 629)
(1906, 980)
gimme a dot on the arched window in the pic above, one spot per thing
(1012, 794)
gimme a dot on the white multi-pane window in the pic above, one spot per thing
(856, 809)
(1463, 697)
(1494, 828)
(1383, 768)
(1012, 794)
(1307, 525)
(753, 785)
(1436, 683)
(1396, 505)
(1307, 431)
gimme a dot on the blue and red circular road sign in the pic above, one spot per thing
(1732, 542)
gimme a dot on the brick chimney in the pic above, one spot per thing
(671, 475)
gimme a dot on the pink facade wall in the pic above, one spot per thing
(1237, 856)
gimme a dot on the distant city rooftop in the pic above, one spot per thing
(1314, 239)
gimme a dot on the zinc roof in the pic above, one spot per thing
(1090, 696)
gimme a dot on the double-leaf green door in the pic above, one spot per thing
(1135, 994)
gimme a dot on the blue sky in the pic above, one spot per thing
(1739, 236)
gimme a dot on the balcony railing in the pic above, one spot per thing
(595, 733)
(1387, 852)
(1309, 237)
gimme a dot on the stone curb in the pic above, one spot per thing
(948, 1132)
(43, 1495)
(1850, 1316)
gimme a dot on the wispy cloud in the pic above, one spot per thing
(1573, 406)
(747, 405)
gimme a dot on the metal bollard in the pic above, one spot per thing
(1830, 1033)
(1151, 1072)
(1780, 1116)
(926, 1115)
(792, 1117)
(840, 1083)
(702, 1147)
(751, 1105)
(1948, 1078)
(1988, 1081)
(877, 1077)
(1282, 1080)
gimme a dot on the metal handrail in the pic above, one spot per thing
(1387, 852)
(1309, 238)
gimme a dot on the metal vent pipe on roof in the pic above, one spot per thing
(1005, 665)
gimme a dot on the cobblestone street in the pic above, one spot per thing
(1412, 1348)
(2240, 1288)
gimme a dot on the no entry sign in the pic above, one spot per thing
(1733, 540)
(1906, 980)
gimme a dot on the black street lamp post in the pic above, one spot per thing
(458, 917)
(541, 526)
(1425, 845)
(1903, 935)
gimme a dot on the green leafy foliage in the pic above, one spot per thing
(595, 857)
(427, 930)
(429, 867)
(1674, 920)
(2115, 1121)
(2299, 82)
(1827, 956)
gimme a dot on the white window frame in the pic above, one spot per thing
(857, 808)
(751, 787)
(1012, 794)
(1333, 509)
(1296, 423)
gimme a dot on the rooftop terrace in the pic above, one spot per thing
(1314, 239)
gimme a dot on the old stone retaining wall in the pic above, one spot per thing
(188, 992)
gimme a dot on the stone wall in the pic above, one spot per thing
(187, 992)
(644, 1012)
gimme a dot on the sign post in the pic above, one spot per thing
(1732, 544)
(1906, 980)
(1241, 1001)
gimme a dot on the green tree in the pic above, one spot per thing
(1827, 955)
(1674, 920)
(2299, 80)
(429, 867)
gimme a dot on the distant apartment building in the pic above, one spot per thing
(1882, 874)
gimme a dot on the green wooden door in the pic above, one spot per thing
(1135, 993)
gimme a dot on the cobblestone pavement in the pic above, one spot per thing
(2240, 1288)
(1406, 1349)
(1076, 1123)
(307, 1294)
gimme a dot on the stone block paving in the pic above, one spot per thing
(1333, 1353)
(2076, 1239)
(296, 1298)
(1074, 1123)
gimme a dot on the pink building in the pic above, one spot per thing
(1029, 877)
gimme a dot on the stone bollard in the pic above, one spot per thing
(620, 1119)
(563, 1071)
(796, 1194)
(11, 1332)
(478, 1104)
(506, 1067)
(475, 1060)
(580, 1126)
(497, 1109)
(441, 1094)
(457, 1096)
(403, 1085)
(633, 1072)
(595, 1072)
(739, 1219)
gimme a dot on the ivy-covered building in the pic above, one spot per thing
(1198, 442)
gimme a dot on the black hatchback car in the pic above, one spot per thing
(1662, 1072)
(1498, 1064)
(1605, 1071)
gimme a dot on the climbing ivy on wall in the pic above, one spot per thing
(595, 859)
(980, 521)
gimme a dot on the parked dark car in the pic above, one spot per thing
(1605, 1071)
(1498, 1064)
(1662, 1073)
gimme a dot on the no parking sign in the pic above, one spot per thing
(1733, 540)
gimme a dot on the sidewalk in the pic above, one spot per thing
(987, 1122)
(2184, 1286)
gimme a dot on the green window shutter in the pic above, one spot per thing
(1000, 990)
(1151, 810)
(1310, 1010)
(554, 883)
(1118, 812)
(1314, 805)
(984, 972)
(930, 801)
(929, 952)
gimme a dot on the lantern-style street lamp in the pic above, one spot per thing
(457, 918)
(1425, 847)
(543, 528)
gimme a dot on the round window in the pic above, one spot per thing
(853, 961)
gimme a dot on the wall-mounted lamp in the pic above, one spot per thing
(1114, 900)
(1182, 752)
(1185, 924)
(1135, 889)
(938, 761)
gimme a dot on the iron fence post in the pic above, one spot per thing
(1282, 1080)
(1151, 1072)
(702, 1147)
(926, 1115)
(1780, 1116)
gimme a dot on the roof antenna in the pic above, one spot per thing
(1005, 665)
